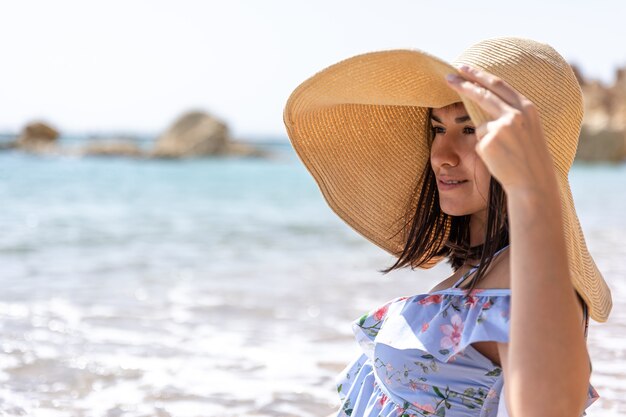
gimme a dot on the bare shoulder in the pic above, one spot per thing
(498, 275)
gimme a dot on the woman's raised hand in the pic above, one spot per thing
(512, 145)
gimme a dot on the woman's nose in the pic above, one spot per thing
(443, 153)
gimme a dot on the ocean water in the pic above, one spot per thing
(215, 287)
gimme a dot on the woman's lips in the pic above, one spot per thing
(445, 187)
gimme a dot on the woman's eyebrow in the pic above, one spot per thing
(461, 119)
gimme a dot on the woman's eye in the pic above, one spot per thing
(437, 129)
(469, 130)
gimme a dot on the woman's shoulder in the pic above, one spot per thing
(498, 276)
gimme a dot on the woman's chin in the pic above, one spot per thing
(461, 206)
(455, 211)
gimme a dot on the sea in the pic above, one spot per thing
(216, 287)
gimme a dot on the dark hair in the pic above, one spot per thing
(424, 228)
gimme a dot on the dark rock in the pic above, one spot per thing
(38, 137)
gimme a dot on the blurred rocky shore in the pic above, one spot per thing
(199, 134)
(193, 134)
(603, 136)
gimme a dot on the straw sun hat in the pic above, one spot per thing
(360, 128)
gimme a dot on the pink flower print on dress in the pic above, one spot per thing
(381, 312)
(382, 400)
(471, 301)
(414, 385)
(424, 407)
(425, 327)
(431, 299)
(452, 332)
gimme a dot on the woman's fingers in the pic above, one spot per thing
(494, 83)
(485, 98)
(482, 130)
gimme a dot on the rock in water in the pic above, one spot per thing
(38, 137)
(113, 147)
(194, 134)
(601, 145)
(603, 134)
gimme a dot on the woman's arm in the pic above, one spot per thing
(546, 371)
(546, 341)
(547, 350)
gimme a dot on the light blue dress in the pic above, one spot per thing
(417, 358)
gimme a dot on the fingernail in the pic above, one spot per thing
(465, 68)
(453, 78)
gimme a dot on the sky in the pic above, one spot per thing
(134, 66)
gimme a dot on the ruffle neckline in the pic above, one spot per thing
(442, 323)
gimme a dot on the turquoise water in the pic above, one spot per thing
(214, 287)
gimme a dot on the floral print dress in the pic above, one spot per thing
(417, 358)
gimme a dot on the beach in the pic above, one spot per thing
(216, 287)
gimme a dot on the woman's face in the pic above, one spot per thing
(453, 158)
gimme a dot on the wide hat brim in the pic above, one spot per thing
(360, 128)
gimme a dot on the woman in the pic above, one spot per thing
(465, 162)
